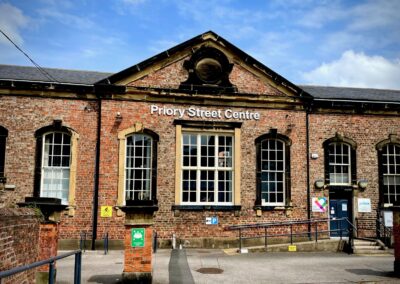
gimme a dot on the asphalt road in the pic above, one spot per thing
(216, 266)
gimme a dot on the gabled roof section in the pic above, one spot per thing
(188, 48)
(64, 76)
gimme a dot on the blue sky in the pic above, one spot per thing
(339, 43)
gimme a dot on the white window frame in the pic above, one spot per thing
(216, 168)
(149, 168)
(45, 167)
(283, 172)
(386, 173)
(335, 164)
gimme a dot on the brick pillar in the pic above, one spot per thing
(48, 242)
(138, 255)
(396, 235)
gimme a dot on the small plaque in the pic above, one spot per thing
(292, 248)
(106, 211)
(137, 237)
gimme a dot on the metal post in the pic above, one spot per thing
(155, 242)
(78, 267)
(340, 228)
(105, 243)
(291, 233)
(265, 237)
(240, 240)
(51, 272)
(316, 232)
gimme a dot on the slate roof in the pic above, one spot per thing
(26, 73)
(357, 94)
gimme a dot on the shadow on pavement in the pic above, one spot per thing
(371, 272)
(105, 279)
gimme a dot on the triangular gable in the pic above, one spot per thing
(173, 70)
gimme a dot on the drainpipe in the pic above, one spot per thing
(96, 175)
(308, 170)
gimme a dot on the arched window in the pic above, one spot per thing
(138, 167)
(389, 170)
(273, 170)
(56, 161)
(55, 169)
(390, 173)
(3, 138)
(137, 180)
(340, 161)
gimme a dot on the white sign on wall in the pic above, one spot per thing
(201, 113)
(364, 205)
(388, 218)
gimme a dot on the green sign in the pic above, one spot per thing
(137, 236)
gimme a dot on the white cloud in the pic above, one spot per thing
(319, 16)
(12, 20)
(376, 14)
(357, 70)
(66, 18)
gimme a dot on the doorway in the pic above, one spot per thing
(340, 206)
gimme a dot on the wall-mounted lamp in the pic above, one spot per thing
(319, 184)
(118, 116)
(362, 183)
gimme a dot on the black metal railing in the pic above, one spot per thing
(105, 243)
(295, 230)
(51, 262)
(82, 241)
(374, 228)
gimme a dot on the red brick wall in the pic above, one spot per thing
(189, 223)
(22, 116)
(172, 75)
(19, 235)
(366, 131)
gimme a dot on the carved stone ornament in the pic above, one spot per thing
(209, 71)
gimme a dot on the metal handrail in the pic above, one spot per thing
(387, 231)
(270, 224)
(51, 262)
(240, 228)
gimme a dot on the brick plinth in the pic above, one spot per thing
(138, 259)
(48, 241)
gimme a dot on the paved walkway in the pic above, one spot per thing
(216, 266)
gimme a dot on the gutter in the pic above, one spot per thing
(47, 82)
(357, 101)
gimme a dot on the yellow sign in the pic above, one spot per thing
(292, 248)
(106, 211)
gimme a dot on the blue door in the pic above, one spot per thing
(338, 208)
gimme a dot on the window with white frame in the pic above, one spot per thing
(138, 167)
(56, 160)
(339, 167)
(272, 172)
(390, 170)
(207, 168)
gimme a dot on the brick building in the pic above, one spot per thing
(201, 130)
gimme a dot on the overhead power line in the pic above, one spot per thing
(43, 71)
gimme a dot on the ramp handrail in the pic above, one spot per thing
(290, 224)
(382, 232)
(51, 262)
